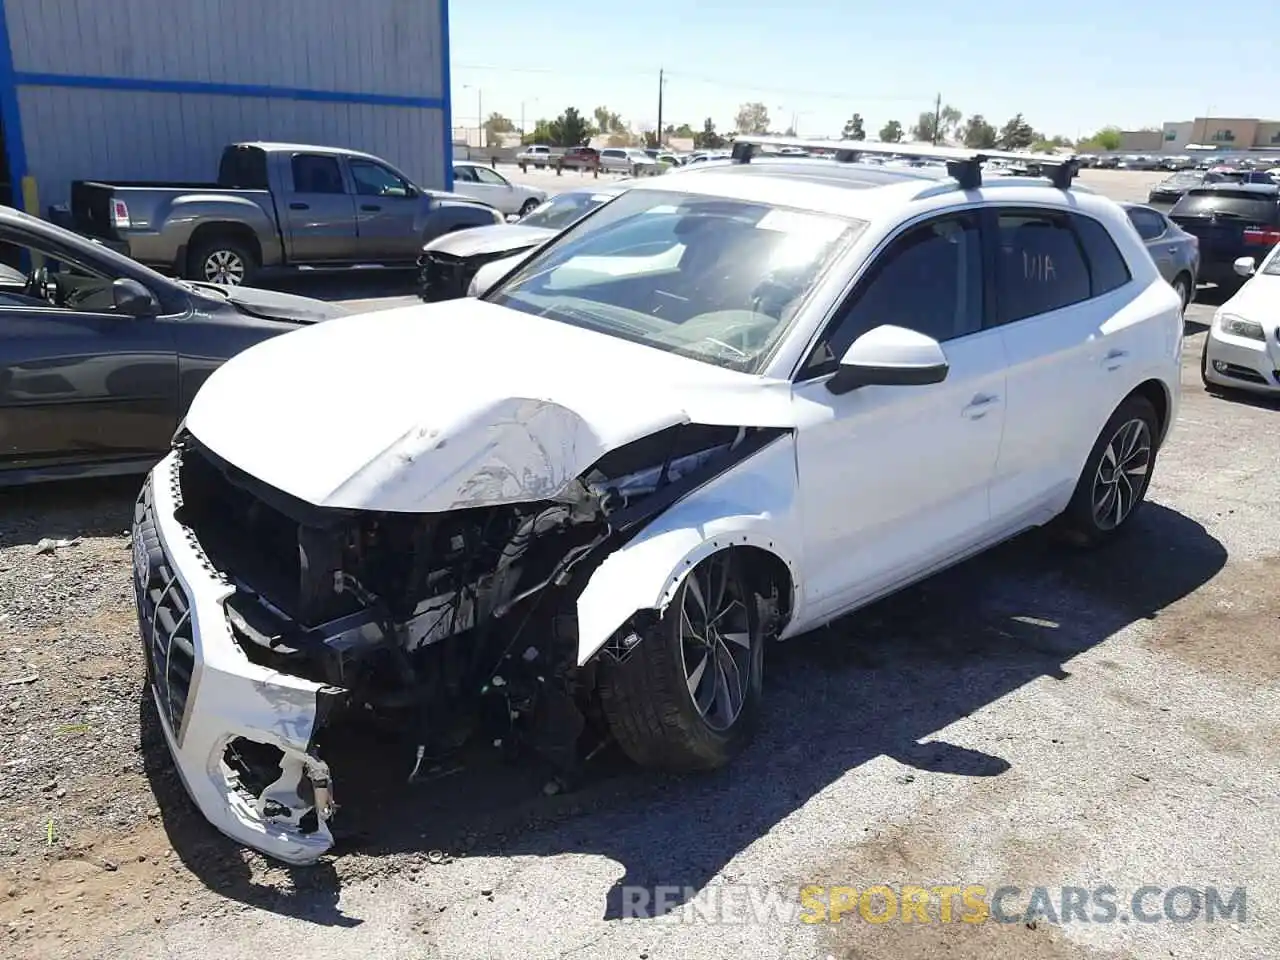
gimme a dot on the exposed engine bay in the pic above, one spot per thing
(443, 626)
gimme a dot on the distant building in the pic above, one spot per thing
(1224, 133)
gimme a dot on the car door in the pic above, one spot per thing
(320, 213)
(387, 214)
(894, 479)
(1062, 293)
(81, 383)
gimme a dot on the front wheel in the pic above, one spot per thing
(528, 207)
(688, 697)
(1113, 484)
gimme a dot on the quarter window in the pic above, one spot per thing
(928, 280)
(1040, 266)
(1107, 269)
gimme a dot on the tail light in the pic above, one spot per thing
(119, 214)
(1261, 236)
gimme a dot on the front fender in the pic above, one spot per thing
(446, 216)
(753, 504)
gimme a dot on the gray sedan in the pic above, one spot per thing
(1176, 252)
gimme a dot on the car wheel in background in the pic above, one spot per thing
(529, 206)
(1182, 283)
(688, 696)
(222, 261)
(1113, 484)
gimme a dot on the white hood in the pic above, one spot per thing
(458, 404)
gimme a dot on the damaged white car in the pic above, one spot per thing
(722, 409)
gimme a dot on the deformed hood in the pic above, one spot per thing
(456, 404)
(271, 304)
(500, 237)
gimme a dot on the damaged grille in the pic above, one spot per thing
(164, 618)
(443, 277)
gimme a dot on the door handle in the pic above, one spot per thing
(1115, 359)
(979, 405)
(299, 206)
(371, 207)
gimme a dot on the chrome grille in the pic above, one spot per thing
(164, 619)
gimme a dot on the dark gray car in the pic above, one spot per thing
(1176, 252)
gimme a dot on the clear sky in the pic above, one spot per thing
(1069, 67)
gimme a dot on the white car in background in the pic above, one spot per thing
(630, 160)
(486, 184)
(1242, 347)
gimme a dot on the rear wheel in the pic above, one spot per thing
(1182, 284)
(528, 207)
(1113, 484)
(222, 261)
(688, 697)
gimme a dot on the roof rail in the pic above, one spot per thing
(963, 164)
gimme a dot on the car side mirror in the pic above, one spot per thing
(133, 299)
(1244, 266)
(890, 356)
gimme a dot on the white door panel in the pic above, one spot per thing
(895, 479)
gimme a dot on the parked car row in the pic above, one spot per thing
(1172, 188)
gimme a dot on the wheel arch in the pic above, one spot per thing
(1158, 394)
(228, 230)
(647, 573)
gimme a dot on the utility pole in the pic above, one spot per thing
(937, 118)
(480, 116)
(661, 84)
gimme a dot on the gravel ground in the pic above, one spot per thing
(1030, 718)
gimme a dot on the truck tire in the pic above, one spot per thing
(221, 260)
(687, 697)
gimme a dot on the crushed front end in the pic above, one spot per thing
(269, 621)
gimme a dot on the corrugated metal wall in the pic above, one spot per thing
(220, 71)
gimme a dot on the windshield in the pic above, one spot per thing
(711, 278)
(560, 211)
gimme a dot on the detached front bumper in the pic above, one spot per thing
(241, 734)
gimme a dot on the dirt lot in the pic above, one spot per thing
(1032, 717)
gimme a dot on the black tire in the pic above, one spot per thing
(528, 207)
(1182, 283)
(646, 699)
(226, 250)
(1080, 523)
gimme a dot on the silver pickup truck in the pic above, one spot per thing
(275, 206)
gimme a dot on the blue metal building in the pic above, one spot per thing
(153, 89)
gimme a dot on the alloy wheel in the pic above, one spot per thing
(1122, 474)
(224, 266)
(716, 641)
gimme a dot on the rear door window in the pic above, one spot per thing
(1239, 204)
(1040, 265)
(1149, 223)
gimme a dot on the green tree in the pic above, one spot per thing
(1050, 144)
(752, 118)
(949, 123)
(978, 134)
(1108, 138)
(607, 121)
(853, 130)
(891, 132)
(1017, 134)
(495, 127)
(684, 131)
(924, 129)
(541, 133)
(570, 129)
(707, 138)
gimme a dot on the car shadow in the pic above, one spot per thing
(878, 683)
(66, 509)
